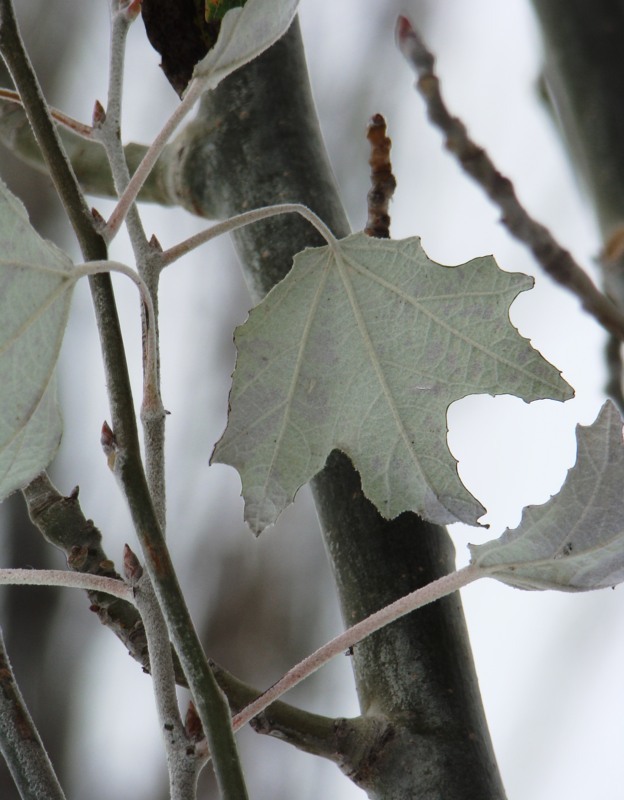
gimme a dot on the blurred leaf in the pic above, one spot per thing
(245, 33)
(575, 541)
(216, 9)
(363, 347)
(35, 292)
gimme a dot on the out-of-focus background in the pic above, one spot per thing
(549, 664)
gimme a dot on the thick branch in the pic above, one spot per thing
(62, 523)
(259, 129)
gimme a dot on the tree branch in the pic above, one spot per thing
(552, 257)
(211, 705)
(584, 78)
(87, 157)
(383, 182)
(418, 674)
(184, 759)
(346, 641)
(20, 743)
(62, 523)
(148, 262)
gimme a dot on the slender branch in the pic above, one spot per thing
(20, 742)
(246, 218)
(87, 157)
(551, 256)
(211, 705)
(149, 159)
(71, 124)
(92, 244)
(18, 63)
(61, 522)
(62, 578)
(150, 340)
(108, 131)
(349, 638)
(184, 760)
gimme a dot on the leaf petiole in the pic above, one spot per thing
(246, 218)
(435, 590)
(63, 578)
(150, 388)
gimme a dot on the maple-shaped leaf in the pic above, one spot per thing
(35, 292)
(575, 541)
(363, 347)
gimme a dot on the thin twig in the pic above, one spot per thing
(211, 705)
(64, 579)
(150, 340)
(149, 160)
(108, 132)
(239, 221)
(71, 124)
(551, 256)
(382, 179)
(345, 641)
(61, 522)
(20, 742)
(184, 759)
(87, 156)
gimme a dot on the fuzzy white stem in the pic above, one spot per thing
(149, 159)
(73, 580)
(151, 373)
(247, 218)
(404, 605)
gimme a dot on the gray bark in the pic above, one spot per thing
(256, 141)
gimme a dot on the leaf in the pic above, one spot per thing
(35, 292)
(575, 541)
(245, 33)
(362, 347)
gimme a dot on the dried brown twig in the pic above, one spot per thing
(382, 180)
(551, 256)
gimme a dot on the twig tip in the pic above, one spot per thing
(412, 46)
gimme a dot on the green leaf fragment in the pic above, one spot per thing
(575, 541)
(245, 33)
(35, 292)
(216, 9)
(363, 347)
